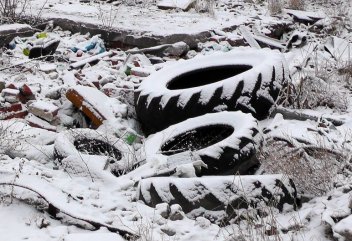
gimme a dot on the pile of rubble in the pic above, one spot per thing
(56, 80)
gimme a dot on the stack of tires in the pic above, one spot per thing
(209, 106)
(217, 97)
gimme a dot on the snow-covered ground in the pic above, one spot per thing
(89, 201)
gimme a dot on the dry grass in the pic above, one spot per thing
(296, 4)
(275, 7)
(311, 93)
(205, 6)
(306, 165)
(11, 10)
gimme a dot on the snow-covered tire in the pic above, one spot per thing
(225, 141)
(83, 141)
(220, 198)
(242, 79)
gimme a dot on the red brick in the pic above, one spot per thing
(96, 118)
(11, 108)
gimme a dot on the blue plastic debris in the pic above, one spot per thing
(94, 45)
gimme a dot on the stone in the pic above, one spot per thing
(203, 222)
(168, 230)
(177, 49)
(344, 228)
(176, 212)
(53, 75)
(163, 209)
(2, 85)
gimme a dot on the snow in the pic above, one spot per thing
(43, 105)
(40, 122)
(93, 237)
(340, 49)
(145, 20)
(344, 227)
(47, 67)
(306, 15)
(15, 27)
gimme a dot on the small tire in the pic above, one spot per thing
(83, 141)
(242, 79)
(226, 142)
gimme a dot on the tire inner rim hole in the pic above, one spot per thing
(196, 139)
(206, 76)
(97, 147)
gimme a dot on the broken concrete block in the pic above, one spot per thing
(305, 17)
(141, 72)
(37, 122)
(191, 54)
(177, 49)
(248, 36)
(185, 5)
(217, 38)
(55, 93)
(138, 60)
(43, 110)
(10, 31)
(91, 59)
(47, 68)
